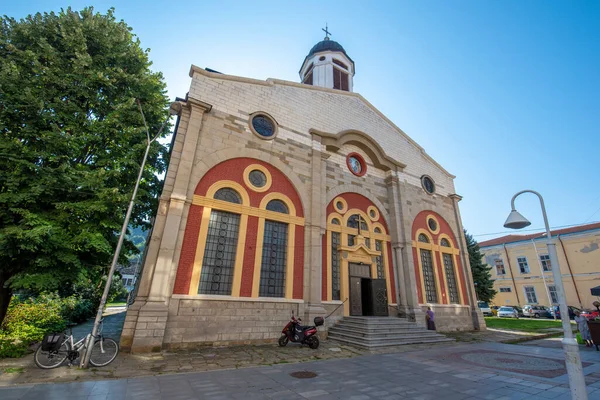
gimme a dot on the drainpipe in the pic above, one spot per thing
(570, 271)
(512, 276)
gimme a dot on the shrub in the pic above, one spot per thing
(31, 319)
(76, 309)
(12, 348)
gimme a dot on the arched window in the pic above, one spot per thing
(228, 194)
(428, 275)
(353, 222)
(423, 238)
(450, 278)
(444, 242)
(277, 206)
(335, 221)
(377, 230)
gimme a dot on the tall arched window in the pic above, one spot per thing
(221, 247)
(274, 254)
(447, 251)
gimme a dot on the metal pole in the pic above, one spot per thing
(570, 347)
(90, 340)
(543, 276)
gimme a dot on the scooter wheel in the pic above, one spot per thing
(313, 342)
(283, 340)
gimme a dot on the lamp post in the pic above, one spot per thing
(174, 109)
(572, 358)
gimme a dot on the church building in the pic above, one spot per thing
(296, 198)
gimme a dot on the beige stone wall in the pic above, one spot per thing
(205, 322)
(451, 317)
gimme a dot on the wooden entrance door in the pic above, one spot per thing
(357, 274)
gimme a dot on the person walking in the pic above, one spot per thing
(430, 316)
(583, 328)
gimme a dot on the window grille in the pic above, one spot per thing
(379, 260)
(274, 260)
(444, 242)
(219, 254)
(505, 290)
(553, 294)
(451, 278)
(423, 239)
(353, 222)
(530, 294)
(335, 266)
(428, 276)
(523, 266)
(277, 206)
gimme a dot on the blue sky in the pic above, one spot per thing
(504, 94)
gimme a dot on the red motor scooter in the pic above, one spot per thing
(294, 332)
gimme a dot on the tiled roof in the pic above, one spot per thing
(519, 238)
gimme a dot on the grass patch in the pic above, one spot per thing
(526, 325)
(16, 370)
(116, 304)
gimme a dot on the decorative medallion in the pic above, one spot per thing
(356, 164)
(428, 184)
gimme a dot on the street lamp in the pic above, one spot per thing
(572, 358)
(174, 109)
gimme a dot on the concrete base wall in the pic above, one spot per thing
(451, 317)
(199, 322)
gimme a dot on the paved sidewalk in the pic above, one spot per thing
(487, 371)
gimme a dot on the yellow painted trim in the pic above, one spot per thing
(344, 202)
(200, 246)
(437, 223)
(373, 208)
(262, 169)
(289, 268)
(330, 251)
(332, 216)
(380, 226)
(260, 237)
(416, 243)
(239, 257)
(278, 196)
(210, 193)
(250, 211)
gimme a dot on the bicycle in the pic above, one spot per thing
(53, 354)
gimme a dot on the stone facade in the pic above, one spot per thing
(316, 130)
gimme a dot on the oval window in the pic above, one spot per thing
(263, 126)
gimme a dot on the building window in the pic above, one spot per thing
(553, 294)
(451, 278)
(545, 260)
(351, 240)
(377, 230)
(219, 255)
(530, 295)
(428, 276)
(128, 281)
(353, 222)
(308, 76)
(379, 259)
(500, 270)
(444, 242)
(340, 80)
(274, 256)
(523, 266)
(335, 266)
(263, 126)
(335, 221)
(368, 242)
(277, 206)
(356, 164)
(505, 290)
(428, 184)
(423, 239)
(341, 64)
(229, 195)
(257, 178)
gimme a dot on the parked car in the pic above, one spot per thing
(556, 310)
(519, 310)
(495, 310)
(508, 312)
(485, 308)
(590, 315)
(536, 311)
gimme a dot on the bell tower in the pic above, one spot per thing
(327, 65)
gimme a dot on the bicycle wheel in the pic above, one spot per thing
(50, 359)
(104, 351)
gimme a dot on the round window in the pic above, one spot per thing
(428, 184)
(263, 126)
(356, 164)
(257, 178)
(339, 205)
(322, 58)
(432, 224)
(372, 213)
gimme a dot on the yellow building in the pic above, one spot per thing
(522, 271)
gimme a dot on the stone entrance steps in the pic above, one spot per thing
(375, 332)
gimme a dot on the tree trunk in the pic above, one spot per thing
(5, 295)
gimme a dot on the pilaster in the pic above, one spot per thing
(476, 314)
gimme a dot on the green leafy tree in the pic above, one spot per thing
(484, 284)
(71, 144)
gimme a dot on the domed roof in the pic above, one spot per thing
(326, 45)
